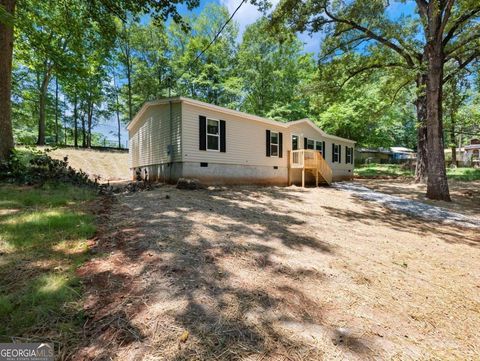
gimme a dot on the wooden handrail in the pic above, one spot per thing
(309, 159)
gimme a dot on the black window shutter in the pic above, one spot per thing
(203, 132)
(222, 136)
(280, 145)
(268, 143)
(324, 151)
(340, 153)
(333, 152)
(352, 153)
(305, 143)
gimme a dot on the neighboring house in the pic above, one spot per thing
(471, 156)
(400, 154)
(384, 155)
(367, 156)
(467, 156)
(181, 137)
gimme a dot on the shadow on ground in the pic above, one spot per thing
(167, 272)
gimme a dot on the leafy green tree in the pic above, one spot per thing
(455, 96)
(210, 76)
(449, 34)
(274, 71)
(366, 107)
(96, 11)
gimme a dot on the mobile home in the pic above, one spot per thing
(181, 137)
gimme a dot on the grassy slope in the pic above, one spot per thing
(43, 233)
(395, 170)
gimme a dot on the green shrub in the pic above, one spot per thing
(31, 166)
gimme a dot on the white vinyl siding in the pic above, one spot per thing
(244, 138)
(150, 137)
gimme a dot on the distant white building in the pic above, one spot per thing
(471, 154)
(402, 153)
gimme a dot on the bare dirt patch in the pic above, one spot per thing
(257, 273)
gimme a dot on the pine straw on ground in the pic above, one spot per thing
(252, 273)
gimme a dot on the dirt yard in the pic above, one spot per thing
(253, 273)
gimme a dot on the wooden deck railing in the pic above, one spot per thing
(310, 160)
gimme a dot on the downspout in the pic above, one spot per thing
(171, 138)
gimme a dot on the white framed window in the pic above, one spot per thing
(310, 144)
(213, 134)
(319, 146)
(295, 142)
(349, 159)
(336, 152)
(274, 144)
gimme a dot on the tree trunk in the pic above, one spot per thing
(422, 155)
(75, 122)
(452, 141)
(6, 52)
(42, 107)
(84, 135)
(89, 124)
(437, 184)
(56, 110)
(117, 110)
(128, 64)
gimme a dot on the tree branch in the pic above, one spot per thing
(398, 90)
(462, 19)
(360, 39)
(423, 8)
(373, 36)
(462, 65)
(446, 16)
(370, 67)
(461, 44)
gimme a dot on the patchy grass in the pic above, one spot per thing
(397, 170)
(43, 234)
(382, 170)
(464, 174)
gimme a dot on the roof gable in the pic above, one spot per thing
(320, 131)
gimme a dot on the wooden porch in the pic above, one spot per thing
(309, 160)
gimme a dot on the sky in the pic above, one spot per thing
(247, 15)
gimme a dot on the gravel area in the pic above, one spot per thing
(410, 207)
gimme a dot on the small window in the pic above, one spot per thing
(213, 134)
(335, 152)
(294, 142)
(348, 159)
(273, 144)
(310, 144)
